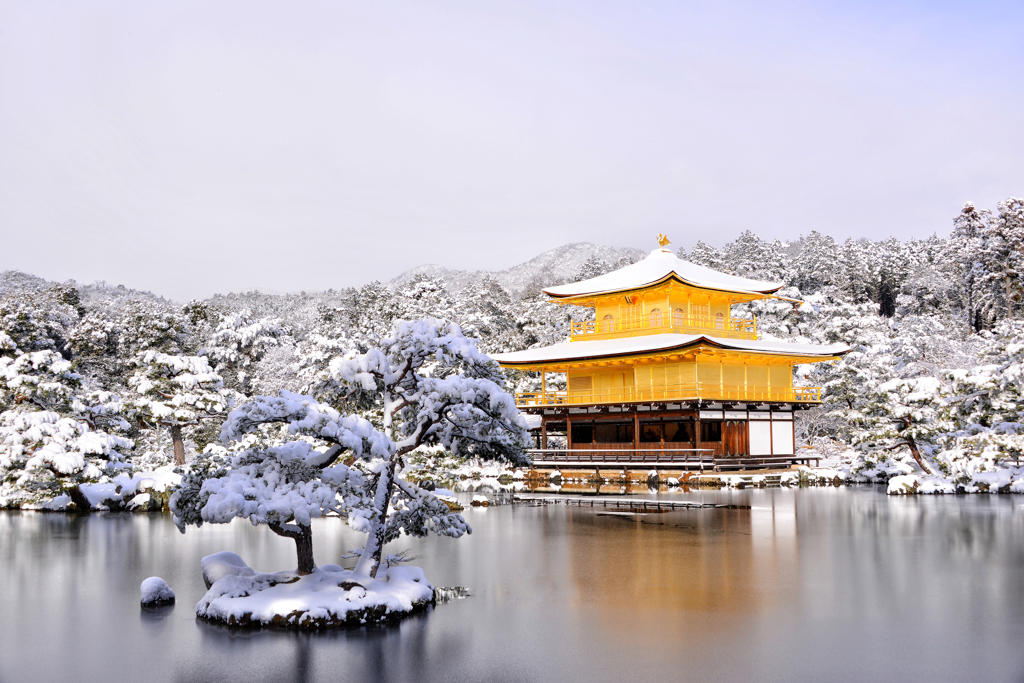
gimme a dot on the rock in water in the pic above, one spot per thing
(222, 564)
(155, 591)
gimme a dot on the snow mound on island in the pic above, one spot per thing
(225, 563)
(329, 597)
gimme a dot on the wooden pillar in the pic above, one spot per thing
(746, 391)
(636, 431)
(721, 377)
(543, 433)
(696, 435)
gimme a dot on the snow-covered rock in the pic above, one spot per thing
(225, 563)
(155, 591)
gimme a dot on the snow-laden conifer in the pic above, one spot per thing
(177, 392)
(428, 384)
(53, 433)
(239, 343)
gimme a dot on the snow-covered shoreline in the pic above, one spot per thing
(849, 468)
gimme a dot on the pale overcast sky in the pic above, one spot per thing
(196, 147)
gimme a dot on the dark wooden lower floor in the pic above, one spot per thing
(666, 433)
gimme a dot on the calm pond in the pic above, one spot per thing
(807, 585)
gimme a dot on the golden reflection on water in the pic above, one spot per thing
(681, 568)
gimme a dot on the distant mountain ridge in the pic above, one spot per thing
(550, 268)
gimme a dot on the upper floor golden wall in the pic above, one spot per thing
(670, 307)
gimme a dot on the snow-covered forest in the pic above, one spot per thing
(110, 387)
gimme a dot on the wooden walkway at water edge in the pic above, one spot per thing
(626, 504)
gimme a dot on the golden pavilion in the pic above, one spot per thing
(665, 374)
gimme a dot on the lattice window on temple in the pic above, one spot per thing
(608, 323)
(656, 317)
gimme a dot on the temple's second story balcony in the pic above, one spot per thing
(705, 391)
(656, 322)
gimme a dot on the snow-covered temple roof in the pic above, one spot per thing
(660, 265)
(569, 352)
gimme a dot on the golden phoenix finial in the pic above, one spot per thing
(663, 240)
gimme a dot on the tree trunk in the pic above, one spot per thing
(79, 499)
(970, 305)
(303, 538)
(179, 445)
(304, 551)
(1009, 301)
(369, 561)
(912, 445)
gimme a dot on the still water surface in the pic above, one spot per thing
(808, 585)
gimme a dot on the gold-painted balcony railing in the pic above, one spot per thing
(705, 391)
(730, 328)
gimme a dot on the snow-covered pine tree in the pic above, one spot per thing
(38, 319)
(987, 400)
(886, 294)
(857, 276)
(52, 432)
(592, 267)
(239, 343)
(963, 253)
(430, 385)
(1002, 258)
(484, 311)
(288, 484)
(815, 265)
(904, 413)
(425, 296)
(705, 255)
(177, 392)
(750, 256)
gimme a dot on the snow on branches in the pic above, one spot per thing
(305, 416)
(45, 458)
(430, 385)
(427, 384)
(239, 342)
(176, 392)
(433, 385)
(283, 486)
(42, 379)
(904, 413)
